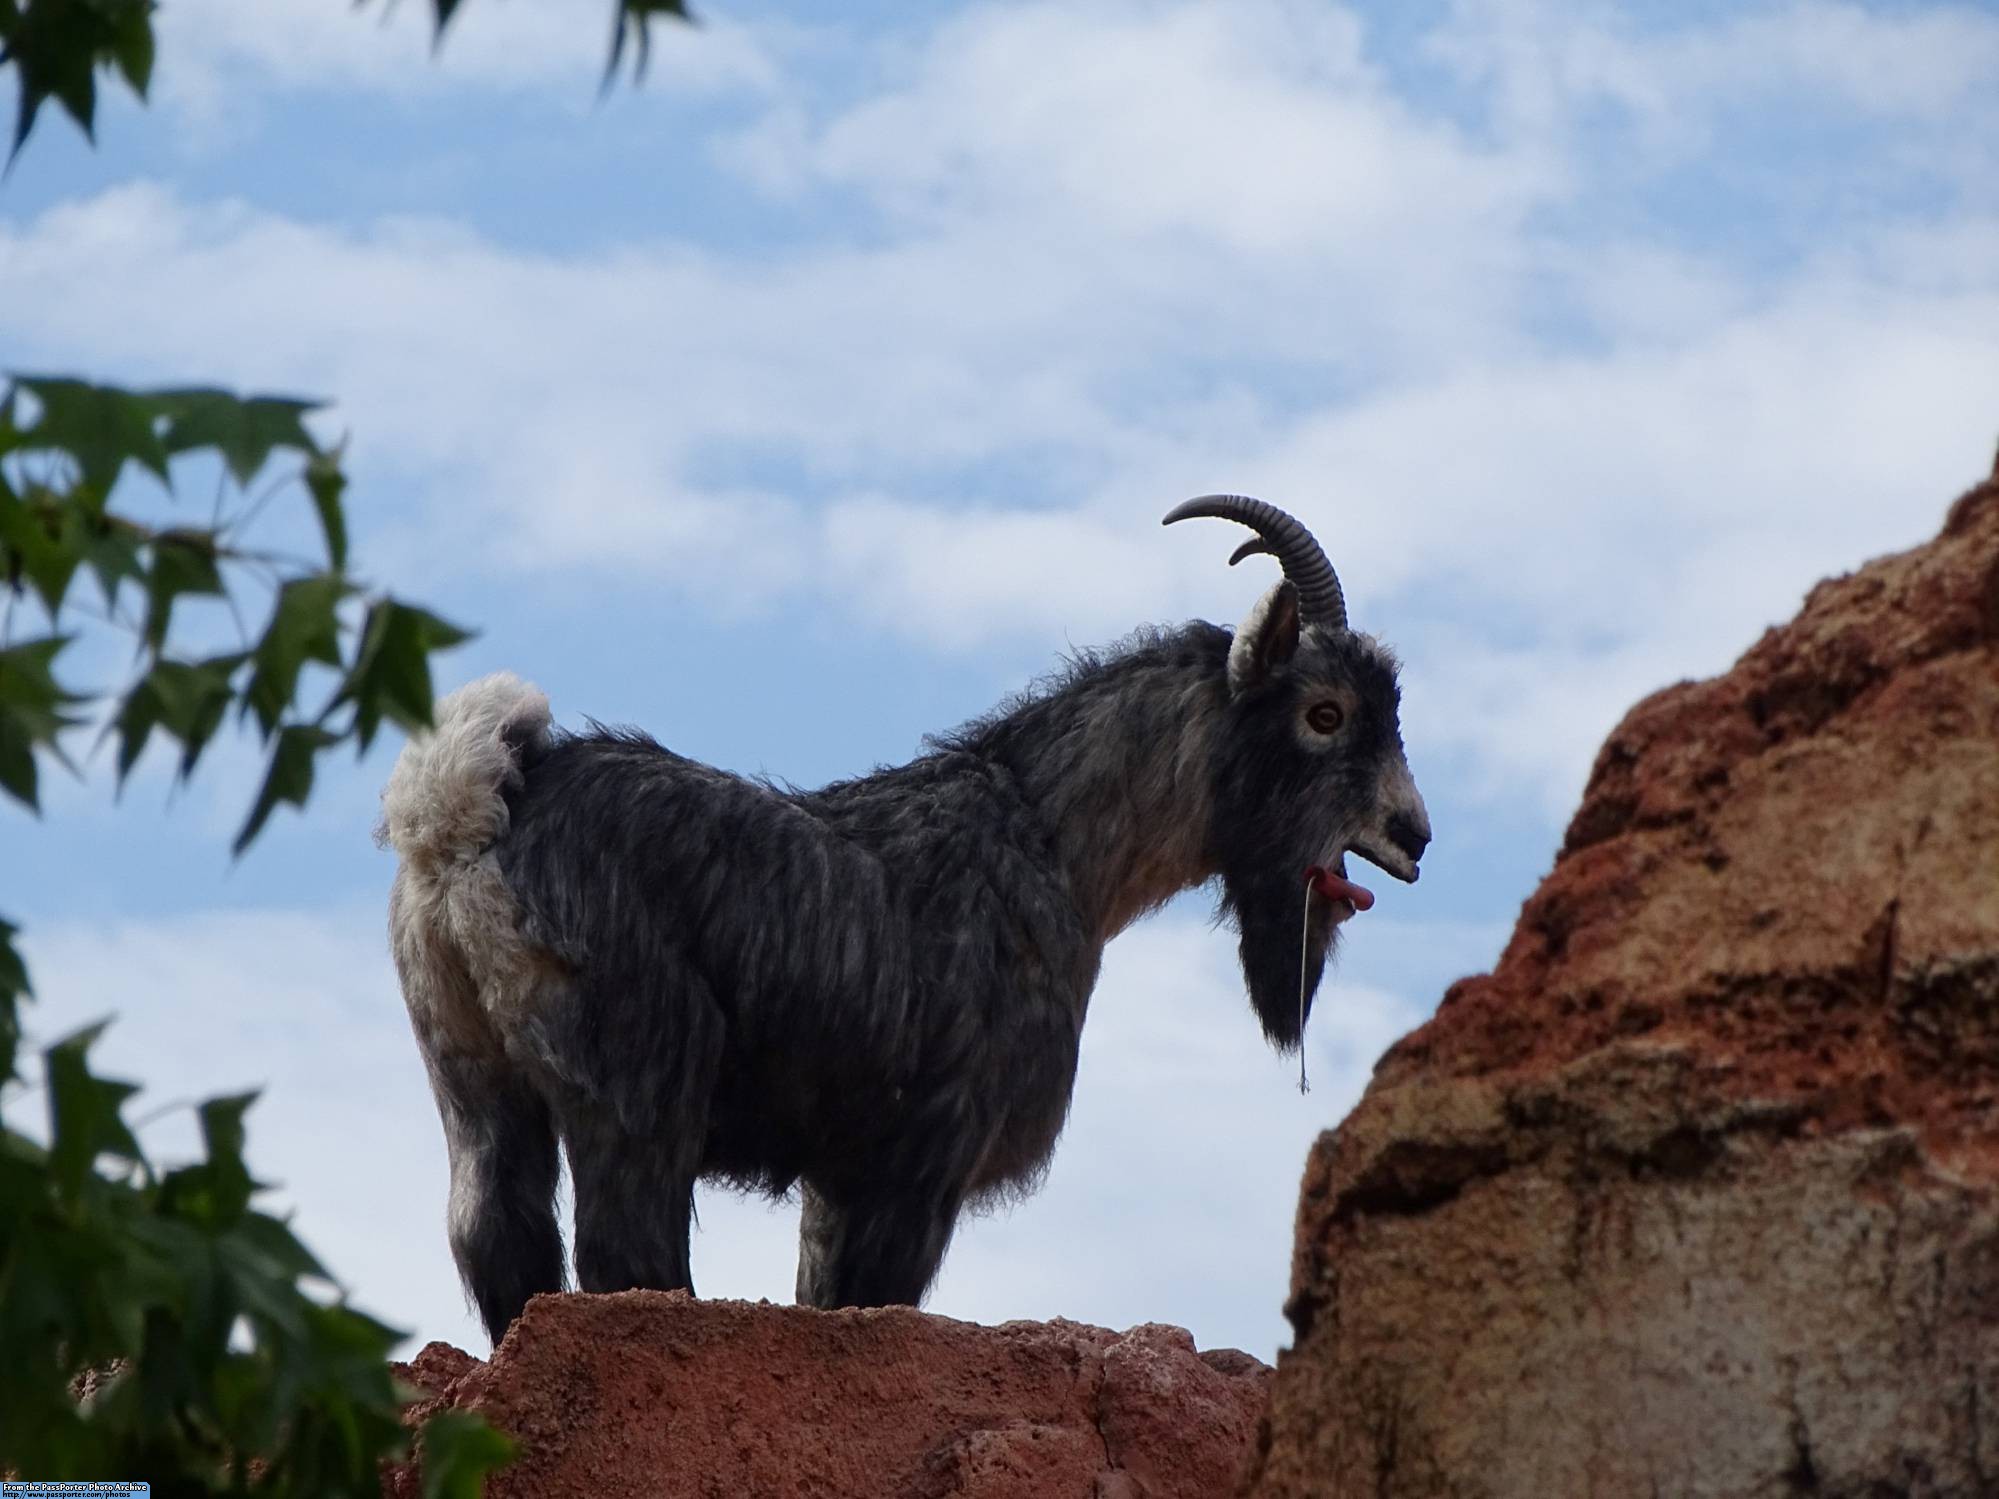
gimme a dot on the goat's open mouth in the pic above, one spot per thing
(1334, 885)
(1388, 859)
(1331, 880)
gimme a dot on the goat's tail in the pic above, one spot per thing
(462, 961)
(444, 802)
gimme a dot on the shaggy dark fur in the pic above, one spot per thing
(876, 989)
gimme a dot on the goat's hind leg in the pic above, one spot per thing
(502, 1149)
(878, 1251)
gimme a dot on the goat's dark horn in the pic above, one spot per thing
(1320, 601)
(1249, 548)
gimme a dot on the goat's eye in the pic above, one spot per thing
(1325, 718)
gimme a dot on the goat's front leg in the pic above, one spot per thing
(879, 1252)
(818, 1228)
(638, 1052)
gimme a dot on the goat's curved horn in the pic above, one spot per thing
(1320, 601)
(1250, 548)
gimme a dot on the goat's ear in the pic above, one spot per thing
(1266, 639)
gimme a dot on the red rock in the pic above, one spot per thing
(656, 1394)
(1698, 1192)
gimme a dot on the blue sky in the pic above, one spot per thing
(830, 386)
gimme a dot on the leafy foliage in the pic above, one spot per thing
(210, 1348)
(211, 1362)
(57, 48)
(58, 470)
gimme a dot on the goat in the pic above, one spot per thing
(874, 991)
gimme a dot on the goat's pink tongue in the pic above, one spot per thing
(1339, 887)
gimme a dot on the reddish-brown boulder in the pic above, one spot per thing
(658, 1395)
(1698, 1193)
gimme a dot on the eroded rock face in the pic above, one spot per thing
(655, 1394)
(1698, 1193)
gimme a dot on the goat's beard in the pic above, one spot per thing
(1268, 910)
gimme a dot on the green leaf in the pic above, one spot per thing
(85, 1121)
(222, 1132)
(43, 537)
(100, 426)
(48, 64)
(56, 45)
(304, 627)
(186, 698)
(325, 482)
(183, 562)
(13, 969)
(14, 988)
(243, 429)
(27, 677)
(10, 433)
(634, 23)
(32, 712)
(289, 778)
(112, 553)
(17, 762)
(215, 1193)
(137, 717)
(132, 47)
(457, 1450)
(390, 676)
(272, 1240)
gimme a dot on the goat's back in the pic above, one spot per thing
(893, 958)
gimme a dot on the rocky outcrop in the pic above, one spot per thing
(657, 1395)
(1697, 1194)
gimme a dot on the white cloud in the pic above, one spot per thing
(1259, 128)
(1171, 1197)
(1221, 180)
(1580, 531)
(1104, 285)
(1547, 61)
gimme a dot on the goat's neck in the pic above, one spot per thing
(1120, 771)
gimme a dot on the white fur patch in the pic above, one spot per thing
(442, 804)
(453, 927)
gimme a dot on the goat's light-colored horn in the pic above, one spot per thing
(1320, 601)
